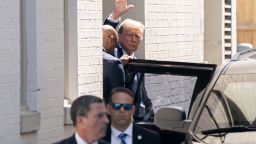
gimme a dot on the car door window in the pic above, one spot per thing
(214, 114)
(169, 90)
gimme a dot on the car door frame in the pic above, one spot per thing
(203, 72)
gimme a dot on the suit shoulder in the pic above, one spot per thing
(70, 140)
(107, 56)
(65, 141)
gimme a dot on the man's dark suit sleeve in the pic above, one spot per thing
(147, 102)
(108, 22)
(117, 75)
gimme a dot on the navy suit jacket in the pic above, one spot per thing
(113, 74)
(72, 140)
(140, 135)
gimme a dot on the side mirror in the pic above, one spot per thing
(172, 118)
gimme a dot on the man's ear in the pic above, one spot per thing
(79, 119)
(112, 38)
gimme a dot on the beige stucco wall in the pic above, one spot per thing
(213, 39)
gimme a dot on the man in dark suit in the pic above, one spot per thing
(122, 129)
(89, 117)
(113, 72)
(130, 34)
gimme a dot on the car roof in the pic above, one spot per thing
(243, 62)
(244, 66)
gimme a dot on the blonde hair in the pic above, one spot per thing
(130, 23)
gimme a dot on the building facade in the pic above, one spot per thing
(51, 53)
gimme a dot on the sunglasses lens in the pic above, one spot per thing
(127, 106)
(117, 106)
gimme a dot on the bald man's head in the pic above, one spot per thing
(110, 38)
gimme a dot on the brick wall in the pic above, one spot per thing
(9, 71)
(50, 69)
(174, 30)
(89, 47)
(170, 90)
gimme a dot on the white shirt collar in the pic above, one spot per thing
(115, 132)
(132, 55)
(79, 140)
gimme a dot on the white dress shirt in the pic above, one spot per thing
(79, 140)
(115, 133)
(132, 56)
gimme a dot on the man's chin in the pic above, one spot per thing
(103, 133)
(122, 123)
(104, 129)
(131, 50)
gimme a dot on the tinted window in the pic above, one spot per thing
(231, 103)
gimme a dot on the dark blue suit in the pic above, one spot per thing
(113, 74)
(140, 96)
(72, 140)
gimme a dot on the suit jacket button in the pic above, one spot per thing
(139, 137)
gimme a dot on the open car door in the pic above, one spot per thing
(169, 83)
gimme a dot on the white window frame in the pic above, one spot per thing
(70, 56)
(29, 117)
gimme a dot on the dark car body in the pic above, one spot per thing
(221, 107)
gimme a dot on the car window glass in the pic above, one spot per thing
(214, 114)
(231, 103)
(241, 94)
(169, 90)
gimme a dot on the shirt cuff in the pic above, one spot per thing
(112, 20)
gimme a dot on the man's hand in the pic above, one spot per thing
(125, 59)
(120, 8)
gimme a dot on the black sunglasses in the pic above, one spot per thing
(117, 106)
